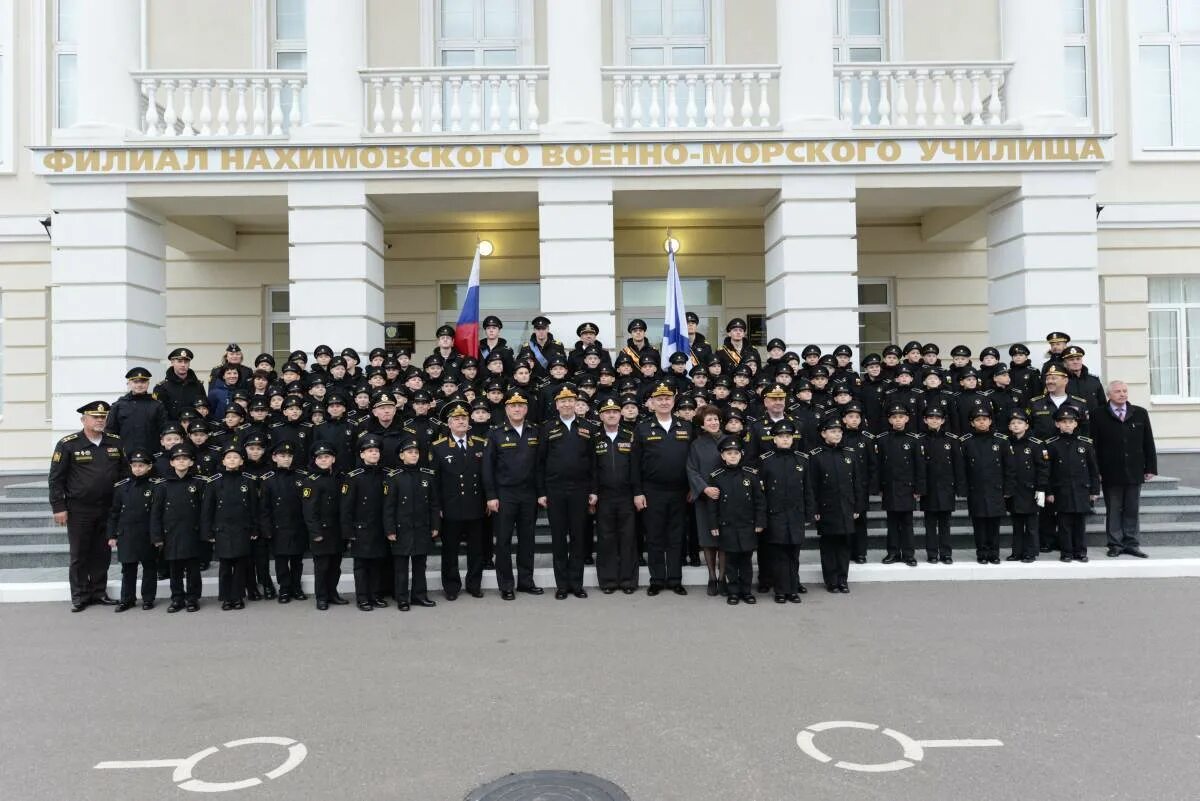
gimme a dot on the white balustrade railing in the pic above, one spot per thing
(459, 100)
(922, 94)
(219, 103)
(719, 96)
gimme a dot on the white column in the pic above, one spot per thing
(575, 220)
(1042, 264)
(336, 42)
(804, 47)
(1032, 38)
(335, 266)
(108, 296)
(573, 43)
(109, 47)
(812, 262)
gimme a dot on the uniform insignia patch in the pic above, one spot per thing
(345, 489)
(424, 482)
(745, 482)
(245, 488)
(192, 488)
(1081, 449)
(307, 492)
(57, 457)
(995, 447)
(847, 460)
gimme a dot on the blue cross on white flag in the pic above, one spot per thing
(675, 333)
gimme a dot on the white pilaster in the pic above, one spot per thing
(336, 42)
(335, 266)
(804, 47)
(575, 219)
(812, 262)
(109, 47)
(1032, 38)
(574, 57)
(108, 296)
(1042, 264)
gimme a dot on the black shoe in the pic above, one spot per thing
(890, 559)
(794, 598)
(561, 595)
(981, 560)
(591, 560)
(1083, 558)
(780, 599)
(763, 589)
(239, 604)
(860, 560)
(338, 600)
(1064, 558)
(933, 560)
(712, 587)
(947, 560)
(424, 603)
(749, 598)
(475, 593)
(679, 590)
(531, 590)
(322, 605)
(269, 593)
(1135, 551)
(580, 593)
(732, 600)
(104, 600)
(1013, 557)
(284, 598)
(192, 606)
(174, 607)
(299, 596)
(451, 595)
(995, 560)
(379, 603)
(1113, 551)
(911, 562)
(124, 606)
(253, 596)
(226, 606)
(831, 588)
(508, 595)
(653, 590)
(1025, 560)
(722, 586)
(629, 590)
(842, 588)
(366, 606)
(608, 590)
(147, 604)
(403, 606)
(78, 606)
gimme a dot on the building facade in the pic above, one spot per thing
(282, 173)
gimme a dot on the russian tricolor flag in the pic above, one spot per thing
(466, 330)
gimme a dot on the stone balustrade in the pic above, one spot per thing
(693, 97)
(457, 100)
(219, 103)
(922, 94)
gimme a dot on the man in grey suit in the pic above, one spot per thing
(1125, 449)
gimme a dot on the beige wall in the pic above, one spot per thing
(393, 33)
(21, 193)
(185, 34)
(949, 30)
(24, 274)
(750, 32)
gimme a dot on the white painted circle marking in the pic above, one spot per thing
(914, 750)
(184, 768)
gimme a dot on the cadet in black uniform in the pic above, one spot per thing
(411, 511)
(229, 520)
(293, 429)
(1074, 483)
(510, 484)
(457, 462)
(361, 517)
(612, 486)
(900, 478)
(129, 530)
(137, 416)
(319, 497)
(943, 483)
(1026, 379)
(861, 445)
(175, 528)
(282, 521)
(564, 484)
(662, 443)
(738, 517)
(984, 471)
(1028, 478)
(422, 424)
(836, 490)
(83, 469)
(788, 490)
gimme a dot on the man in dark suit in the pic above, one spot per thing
(1127, 456)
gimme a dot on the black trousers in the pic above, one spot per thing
(691, 548)
(231, 578)
(401, 566)
(738, 571)
(260, 552)
(664, 517)
(129, 571)
(787, 569)
(616, 542)
(367, 574)
(1048, 527)
(835, 559)
(327, 571)
(987, 537)
(766, 565)
(858, 540)
(288, 570)
(1122, 503)
(1072, 534)
(489, 540)
(1025, 535)
(206, 552)
(185, 579)
(937, 535)
(900, 534)
(567, 509)
(87, 534)
(454, 534)
(517, 512)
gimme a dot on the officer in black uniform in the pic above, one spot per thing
(736, 349)
(129, 530)
(83, 469)
(361, 517)
(282, 521)
(899, 476)
(1074, 483)
(1028, 473)
(386, 426)
(175, 528)
(564, 484)
(457, 462)
(509, 482)
(411, 513)
(1057, 343)
(319, 497)
(661, 445)
(180, 388)
(837, 492)
(984, 469)
(229, 519)
(788, 488)
(612, 486)
(137, 416)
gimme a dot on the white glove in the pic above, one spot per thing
(1040, 498)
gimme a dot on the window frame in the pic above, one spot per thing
(430, 31)
(278, 45)
(843, 42)
(876, 308)
(1174, 40)
(1084, 41)
(272, 317)
(704, 312)
(621, 33)
(508, 316)
(1182, 367)
(61, 48)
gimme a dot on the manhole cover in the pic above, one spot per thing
(549, 785)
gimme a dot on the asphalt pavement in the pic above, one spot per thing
(1064, 690)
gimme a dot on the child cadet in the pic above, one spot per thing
(282, 521)
(737, 517)
(175, 528)
(899, 476)
(837, 490)
(943, 482)
(229, 520)
(411, 512)
(788, 492)
(362, 523)
(129, 530)
(983, 468)
(1074, 482)
(1027, 478)
(319, 497)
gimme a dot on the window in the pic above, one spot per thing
(875, 315)
(479, 33)
(515, 303)
(647, 298)
(1175, 337)
(1168, 72)
(664, 33)
(289, 49)
(859, 30)
(66, 92)
(279, 324)
(1077, 57)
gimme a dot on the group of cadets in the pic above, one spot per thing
(723, 454)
